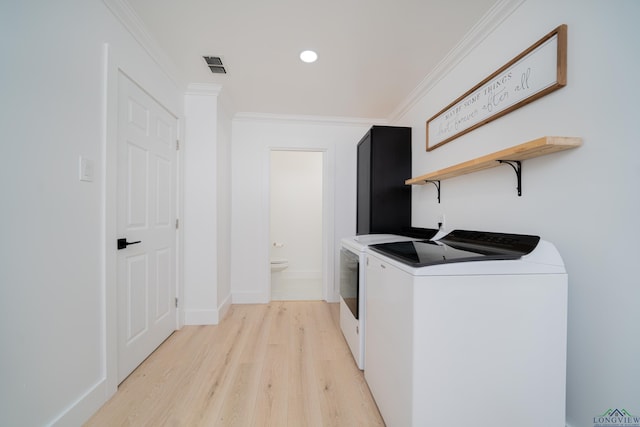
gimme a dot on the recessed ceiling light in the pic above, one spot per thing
(308, 56)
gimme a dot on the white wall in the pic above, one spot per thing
(585, 201)
(253, 138)
(52, 251)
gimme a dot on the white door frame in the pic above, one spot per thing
(328, 251)
(113, 66)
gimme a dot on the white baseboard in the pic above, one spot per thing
(82, 409)
(250, 298)
(296, 289)
(300, 275)
(333, 298)
(201, 317)
(207, 316)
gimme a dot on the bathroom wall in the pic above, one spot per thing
(296, 223)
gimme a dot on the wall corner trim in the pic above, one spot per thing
(224, 307)
(130, 20)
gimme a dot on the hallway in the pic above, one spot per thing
(278, 364)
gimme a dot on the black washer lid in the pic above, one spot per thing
(490, 243)
(459, 246)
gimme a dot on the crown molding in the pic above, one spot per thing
(203, 89)
(130, 20)
(325, 120)
(478, 33)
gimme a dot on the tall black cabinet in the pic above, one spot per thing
(384, 163)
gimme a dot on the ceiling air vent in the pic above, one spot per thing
(215, 64)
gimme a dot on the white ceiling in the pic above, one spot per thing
(372, 53)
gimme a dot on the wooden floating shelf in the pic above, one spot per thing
(528, 150)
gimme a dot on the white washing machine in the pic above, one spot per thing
(353, 284)
(467, 329)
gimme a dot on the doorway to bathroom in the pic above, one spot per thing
(296, 224)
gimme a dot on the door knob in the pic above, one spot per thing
(122, 243)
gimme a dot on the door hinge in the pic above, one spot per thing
(176, 302)
(177, 144)
(177, 223)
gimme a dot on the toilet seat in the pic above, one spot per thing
(279, 264)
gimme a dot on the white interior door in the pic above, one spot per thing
(146, 203)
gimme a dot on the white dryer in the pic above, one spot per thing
(353, 283)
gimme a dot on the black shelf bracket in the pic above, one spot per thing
(437, 184)
(517, 168)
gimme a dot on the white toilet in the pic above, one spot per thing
(279, 265)
(278, 282)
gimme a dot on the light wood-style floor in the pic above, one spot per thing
(280, 364)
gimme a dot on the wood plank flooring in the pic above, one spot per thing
(280, 364)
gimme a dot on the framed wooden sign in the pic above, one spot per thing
(539, 70)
